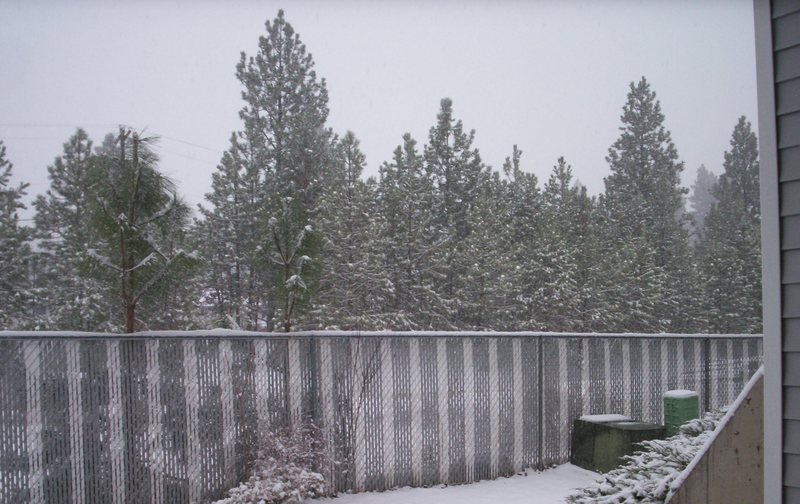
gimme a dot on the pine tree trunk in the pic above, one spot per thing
(130, 317)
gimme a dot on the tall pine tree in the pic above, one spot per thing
(414, 258)
(276, 166)
(523, 220)
(230, 237)
(701, 200)
(645, 230)
(15, 281)
(135, 213)
(731, 261)
(67, 297)
(353, 282)
(458, 176)
(564, 238)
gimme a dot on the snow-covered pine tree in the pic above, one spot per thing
(67, 297)
(731, 249)
(292, 257)
(645, 235)
(179, 304)
(488, 272)
(414, 259)
(353, 284)
(135, 208)
(458, 175)
(701, 200)
(527, 273)
(563, 241)
(15, 281)
(230, 236)
(286, 107)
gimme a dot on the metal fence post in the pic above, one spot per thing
(540, 403)
(707, 374)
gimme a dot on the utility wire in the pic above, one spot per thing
(56, 125)
(64, 125)
(160, 135)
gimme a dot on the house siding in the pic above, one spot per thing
(786, 47)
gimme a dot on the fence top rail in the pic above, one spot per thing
(238, 334)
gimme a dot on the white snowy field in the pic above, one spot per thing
(546, 487)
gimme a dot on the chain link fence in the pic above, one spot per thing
(177, 417)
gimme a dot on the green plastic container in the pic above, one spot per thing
(680, 406)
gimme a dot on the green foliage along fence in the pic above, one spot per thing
(176, 417)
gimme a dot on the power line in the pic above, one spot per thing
(56, 125)
(65, 125)
(160, 135)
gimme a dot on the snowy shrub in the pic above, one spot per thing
(648, 474)
(292, 465)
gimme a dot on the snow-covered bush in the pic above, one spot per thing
(647, 474)
(292, 465)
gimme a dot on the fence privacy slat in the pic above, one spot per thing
(505, 407)
(469, 412)
(228, 425)
(180, 419)
(387, 409)
(75, 421)
(358, 398)
(33, 420)
(295, 388)
(154, 432)
(14, 461)
(191, 391)
(326, 384)
(117, 440)
(518, 396)
(443, 410)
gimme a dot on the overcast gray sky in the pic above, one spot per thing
(550, 76)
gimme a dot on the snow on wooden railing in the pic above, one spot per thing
(175, 417)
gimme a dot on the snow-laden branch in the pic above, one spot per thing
(161, 213)
(153, 245)
(105, 261)
(160, 275)
(144, 262)
(295, 281)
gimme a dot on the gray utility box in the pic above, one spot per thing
(600, 441)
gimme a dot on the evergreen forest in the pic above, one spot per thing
(293, 237)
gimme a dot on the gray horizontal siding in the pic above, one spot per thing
(788, 96)
(790, 232)
(791, 403)
(789, 160)
(791, 469)
(784, 7)
(791, 301)
(786, 47)
(786, 64)
(790, 195)
(791, 374)
(791, 436)
(790, 266)
(791, 331)
(789, 129)
(786, 31)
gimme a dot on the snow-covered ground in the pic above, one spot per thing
(547, 487)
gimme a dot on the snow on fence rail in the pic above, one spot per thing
(166, 417)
